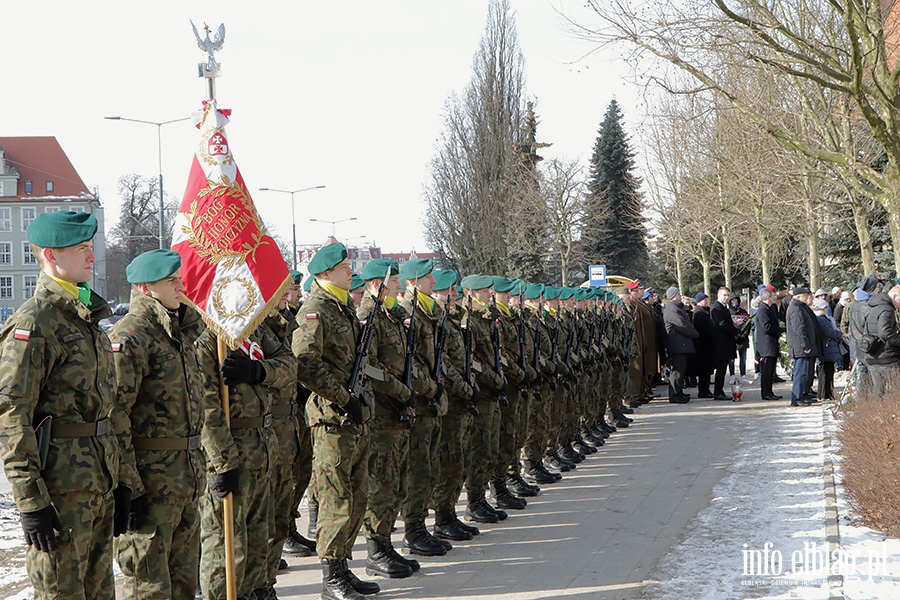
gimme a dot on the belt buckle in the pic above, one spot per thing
(102, 427)
(193, 442)
(267, 420)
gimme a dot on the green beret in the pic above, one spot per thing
(566, 293)
(356, 282)
(327, 258)
(533, 291)
(582, 293)
(151, 266)
(61, 229)
(550, 292)
(459, 290)
(477, 282)
(417, 267)
(307, 285)
(296, 275)
(379, 269)
(444, 278)
(503, 285)
(518, 287)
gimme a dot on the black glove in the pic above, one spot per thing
(527, 379)
(472, 403)
(39, 528)
(439, 392)
(136, 512)
(227, 482)
(353, 408)
(122, 499)
(242, 369)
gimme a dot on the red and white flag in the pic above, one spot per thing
(232, 269)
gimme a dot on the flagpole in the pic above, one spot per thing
(210, 71)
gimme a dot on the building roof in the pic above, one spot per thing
(40, 159)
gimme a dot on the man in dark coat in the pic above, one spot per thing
(703, 345)
(724, 339)
(884, 363)
(768, 330)
(804, 341)
(680, 336)
(856, 317)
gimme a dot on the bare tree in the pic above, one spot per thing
(471, 188)
(564, 192)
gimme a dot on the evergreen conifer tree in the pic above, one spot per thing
(615, 234)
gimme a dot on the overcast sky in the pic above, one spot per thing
(348, 94)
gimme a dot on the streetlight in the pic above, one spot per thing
(293, 219)
(162, 204)
(333, 223)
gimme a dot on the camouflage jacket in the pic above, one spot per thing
(387, 351)
(480, 322)
(454, 362)
(426, 331)
(325, 346)
(532, 322)
(56, 361)
(161, 390)
(285, 410)
(509, 342)
(255, 444)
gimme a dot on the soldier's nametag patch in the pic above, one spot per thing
(72, 337)
(117, 347)
(312, 315)
(22, 334)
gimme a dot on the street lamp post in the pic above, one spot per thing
(333, 223)
(162, 202)
(293, 219)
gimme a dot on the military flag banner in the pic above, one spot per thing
(232, 269)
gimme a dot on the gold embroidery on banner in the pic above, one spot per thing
(244, 311)
(218, 159)
(212, 231)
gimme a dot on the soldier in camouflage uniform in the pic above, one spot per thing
(519, 375)
(531, 396)
(286, 430)
(56, 362)
(325, 346)
(259, 365)
(569, 411)
(538, 322)
(485, 443)
(160, 388)
(431, 405)
(453, 453)
(394, 411)
(559, 392)
(301, 466)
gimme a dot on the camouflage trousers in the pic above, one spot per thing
(81, 567)
(161, 558)
(558, 408)
(388, 456)
(424, 442)
(522, 413)
(282, 489)
(537, 424)
(636, 379)
(341, 474)
(453, 456)
(302, 470)
(568, 417)
(509, 441)
(252, 510)
(485, 446)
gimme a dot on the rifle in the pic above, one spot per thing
(469, 375)
(355, 385)
(440, 343)
(523, 359)
(570, 341)
(591, 331)
(554, 345)
(537, 346)
(495, 342)
(405, 416)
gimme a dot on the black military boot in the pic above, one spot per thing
(480, 511)
(570, 454)
(581, 446)
(464, 526)
(591, 439)
(409, 562)
(419, 541)
(296, 544)
(555, 461)
(335, 585)
(313, 512)
(265, 593)
(445, 527)
(365, 588)
(535, 471)
(520, 487)
(381, 562)
(504, 499)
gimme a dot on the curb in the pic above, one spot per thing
(832, 532)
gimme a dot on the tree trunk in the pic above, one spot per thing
(812, 237)
(706, 263)
(679, 268)
(765, 252)
(866, 252)
(726, 257)
(894, 219)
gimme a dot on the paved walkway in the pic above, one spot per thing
(662, 511)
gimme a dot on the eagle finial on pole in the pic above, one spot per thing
(211, 69)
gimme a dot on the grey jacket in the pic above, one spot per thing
(680, 333)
